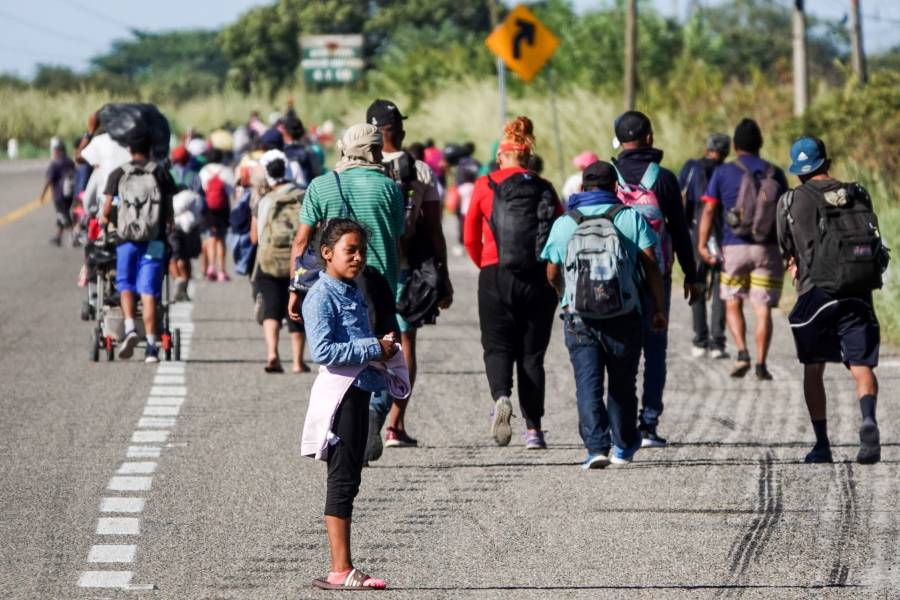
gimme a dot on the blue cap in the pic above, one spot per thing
(807, 155)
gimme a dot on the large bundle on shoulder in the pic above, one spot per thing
(124, 122)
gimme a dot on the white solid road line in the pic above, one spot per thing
(163, 406)
(112, 553)
(122, 505)
(105, 579)
(118, 526)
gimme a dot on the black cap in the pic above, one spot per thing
(748, 137)
(383, 112)
(599, 175)
(632, 125)
(719, 142)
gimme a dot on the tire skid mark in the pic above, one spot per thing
(847, 522)
(769, 510)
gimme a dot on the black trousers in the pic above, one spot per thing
(345, 459)
(515, 311)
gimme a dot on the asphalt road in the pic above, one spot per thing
(233, 511)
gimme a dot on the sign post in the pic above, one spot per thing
(525, 45)
(331, 59)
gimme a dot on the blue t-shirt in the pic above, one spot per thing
(634, 231)
(725, 184)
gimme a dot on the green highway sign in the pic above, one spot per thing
(331, 59)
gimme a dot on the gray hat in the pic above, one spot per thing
(719, 142)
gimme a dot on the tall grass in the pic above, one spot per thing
(682, 114)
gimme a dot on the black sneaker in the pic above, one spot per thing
(650, 439)
(819, 454)
(762, 373)
(128, 344)
(869, 443)
(741, 365)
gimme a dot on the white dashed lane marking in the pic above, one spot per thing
(122, 505)
(112, 553)
(164, 402)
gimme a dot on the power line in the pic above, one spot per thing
(45, 29)
(94, 12)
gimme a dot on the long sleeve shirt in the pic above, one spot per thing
(337, 327)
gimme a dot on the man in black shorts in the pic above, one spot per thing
(834, 318)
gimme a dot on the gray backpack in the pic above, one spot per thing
(753, 215)
(139, 204)
(600, 276)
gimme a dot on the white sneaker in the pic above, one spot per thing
(501, 430)
(698, 352)
(718, 354)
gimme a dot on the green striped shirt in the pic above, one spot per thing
(375, 201)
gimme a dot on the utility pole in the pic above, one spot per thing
(801, 77)
(856, 41)
(630, 52)
(501, 68)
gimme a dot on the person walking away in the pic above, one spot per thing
(654, 192)
(828, 232)
(594, 255)
(184, 240)
(747, 189)
(144, 190)
(423, 239)
(572, 185)
(217, 182)
(303, 164)
(104, 154)
(709, 334)
(506, 228)
(183, 172)
(272, 230)
(357, 188)
(353, 365)
(60, 180)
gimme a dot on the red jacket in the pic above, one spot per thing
(477, 235)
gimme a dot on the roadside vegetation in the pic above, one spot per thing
(695, 77)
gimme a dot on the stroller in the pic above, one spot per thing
(106, 307)
(100, 263)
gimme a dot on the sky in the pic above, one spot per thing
(70, 32)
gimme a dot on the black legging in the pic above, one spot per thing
(515, 312)
(345, 459)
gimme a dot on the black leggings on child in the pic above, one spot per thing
(345, 459)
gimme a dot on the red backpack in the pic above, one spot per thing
(216, 196)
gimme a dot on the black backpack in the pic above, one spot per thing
(521, 217)
(848, 254)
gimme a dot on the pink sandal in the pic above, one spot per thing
(355, 581)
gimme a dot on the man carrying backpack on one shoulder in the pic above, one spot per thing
(654, 192)
(748, 189)
(829, 233)
(594, 254)
(709, 334)
(144, 190)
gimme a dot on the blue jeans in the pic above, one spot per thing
(654, 345)
(595, 348)
(380, 403)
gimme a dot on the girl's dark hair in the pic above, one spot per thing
(276, 169)
(335, 229)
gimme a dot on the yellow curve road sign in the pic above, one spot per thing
(523, 42)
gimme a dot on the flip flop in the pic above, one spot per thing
(355, 582)
(274, 367)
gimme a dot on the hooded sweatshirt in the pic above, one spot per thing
(632, 164)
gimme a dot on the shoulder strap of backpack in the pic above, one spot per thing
(650, 176)
(619, 176)
(737, 162)
(576, 215)
(337, 180)
(616, 209)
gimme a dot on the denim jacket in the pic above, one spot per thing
(336, 320)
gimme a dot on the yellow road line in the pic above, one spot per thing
(20, 212)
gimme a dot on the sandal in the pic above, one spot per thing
(355, 581)
(274, 367)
